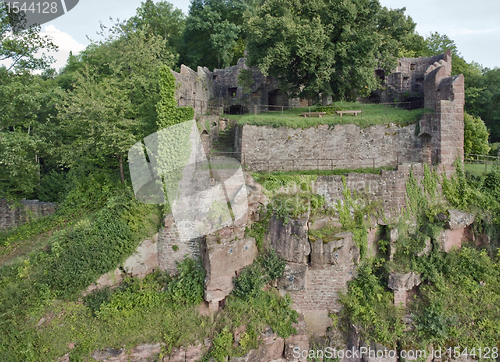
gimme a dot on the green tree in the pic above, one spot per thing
(161, 19)
(475, 136)
(214, 33)
(488, 101)
(21, 46)
(26, 104)
(113, 101)
(326, 46)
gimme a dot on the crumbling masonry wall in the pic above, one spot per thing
(172, 248)
(11, 216)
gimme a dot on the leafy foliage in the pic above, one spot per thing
(253, 278)
(20, 45)
(187, 287)
(475, 136)
(369, 305)
(328, 47)
(213, 33)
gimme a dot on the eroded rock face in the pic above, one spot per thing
(459, 219)
(139, 353)
(222, 255)
(255, 197)
(290, 241)
(294, 277)
(340, 249)
(398, 281)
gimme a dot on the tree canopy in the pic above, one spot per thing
(21, 46)
(330, 47)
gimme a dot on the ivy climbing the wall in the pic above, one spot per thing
(174, 136)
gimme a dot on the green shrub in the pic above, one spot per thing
(369, 306)
(332, 109)
(273, 265)
(93, 247)
(187, 288)
(94, 300)
(250, 282)
(222, 345)
(252, 279)
(260, 228)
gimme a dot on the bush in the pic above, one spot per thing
(252, 279)
(475, 136)
(329, 109)
(187, 288)
(369, 306)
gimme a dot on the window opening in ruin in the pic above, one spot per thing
(275, 98)
(412, 66)
(232, 92)
(214, 77)
(236, 109)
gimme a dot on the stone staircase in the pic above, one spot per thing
(225, 140)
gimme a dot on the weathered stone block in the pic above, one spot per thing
(221, 260)
(459, 219)
(294, 277)
(290, 241)
(341, 250)
(398, 281)
(451, 239)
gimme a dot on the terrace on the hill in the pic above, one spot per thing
(372, 114)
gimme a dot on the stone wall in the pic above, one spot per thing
(445, 127)
(11, 215)
(172, 248)
(194, 89)
(344, 146)
(407, 79)
(388, 187)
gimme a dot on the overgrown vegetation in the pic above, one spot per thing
(368, 304)
(457, 302)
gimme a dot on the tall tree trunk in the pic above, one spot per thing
(120, 162)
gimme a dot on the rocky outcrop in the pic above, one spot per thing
(144, 352)
(401, 284)
(223, 254)
(455, 232)
(143, 262)
(290, 240)
(294, 277)
(339, 249)
(459, 219)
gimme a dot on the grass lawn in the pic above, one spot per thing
(478, 168)
(372, 114)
